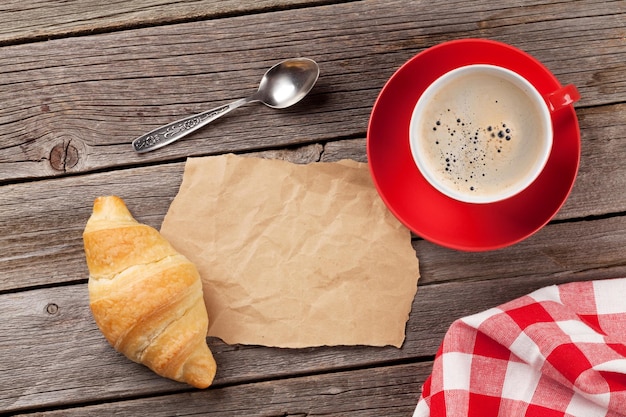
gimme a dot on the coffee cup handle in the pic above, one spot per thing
(562, 97)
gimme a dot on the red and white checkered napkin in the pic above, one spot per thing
(557, 352)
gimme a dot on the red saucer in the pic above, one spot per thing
(434, 216)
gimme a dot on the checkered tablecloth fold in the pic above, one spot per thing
(557, 352)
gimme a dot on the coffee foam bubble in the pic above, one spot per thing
(479, 134)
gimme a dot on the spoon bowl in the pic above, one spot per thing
(287, 82)
(283, 85)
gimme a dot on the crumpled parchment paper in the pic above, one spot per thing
(294, 255)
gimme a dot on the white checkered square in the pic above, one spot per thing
(617, 365)
(579, 332)
(580, 406)
(422, 410)
(550, 293)
(609, 295)
(520, 382)
(477, 319)
(456, 370)
(526, 349)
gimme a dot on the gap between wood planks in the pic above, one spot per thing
(164, 21)
(425, 361)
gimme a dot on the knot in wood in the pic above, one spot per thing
(52, 309)
(63, 157)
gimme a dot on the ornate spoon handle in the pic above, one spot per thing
(169, 133)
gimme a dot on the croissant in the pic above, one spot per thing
(145, 297)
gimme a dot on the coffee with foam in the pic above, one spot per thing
(481, 134)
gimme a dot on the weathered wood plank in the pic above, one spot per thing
(581, 250)
(54, 355)
(386, 391)
(601, 182)
(73, 105)
(41, 228)
(588, 249)
(42, 222)
(70, 106)
(42, 245)
(22, 21)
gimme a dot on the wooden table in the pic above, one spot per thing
(80, 80)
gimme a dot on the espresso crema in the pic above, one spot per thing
(480, 134)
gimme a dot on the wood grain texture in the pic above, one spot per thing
(112, 71)
(54, 355)
(73, 105)
(25, 21)
(385, 391)
(36, 251)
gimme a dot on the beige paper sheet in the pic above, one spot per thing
(294, 255)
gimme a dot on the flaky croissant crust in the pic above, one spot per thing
(146, 298)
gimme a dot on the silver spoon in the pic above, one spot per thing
(283, 85)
